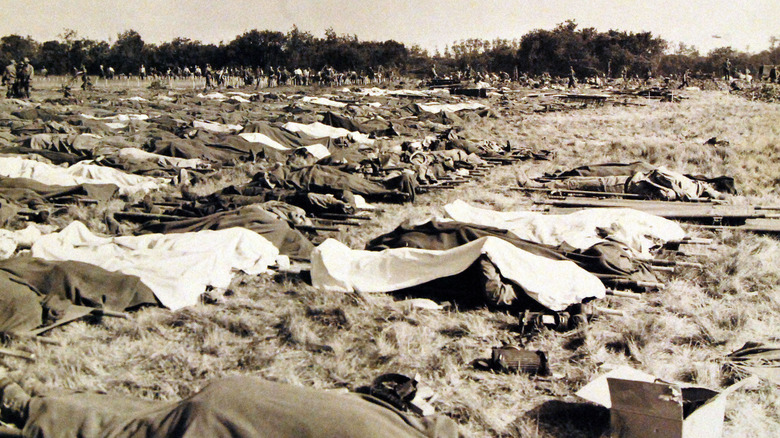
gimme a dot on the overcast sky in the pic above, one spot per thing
(707, 24)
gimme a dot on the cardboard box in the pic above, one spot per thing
(643, 406)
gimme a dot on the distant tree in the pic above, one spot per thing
(17, 47)
(588, 51)
(127, 52)
(298, 48)
(53, 56)
(257, 48)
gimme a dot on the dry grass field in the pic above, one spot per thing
(282, 329)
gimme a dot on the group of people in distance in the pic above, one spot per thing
(17, 78)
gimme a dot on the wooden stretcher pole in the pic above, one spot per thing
(624, 294)
(433, 187)
(606, 311)
(659, 262)
(43, 340)
(315, 228)
(327, 222)
(652, 284)
(142, 217)
(690, 241)
(343, 216)
(578, 192)
(17, 353)
(112, 313)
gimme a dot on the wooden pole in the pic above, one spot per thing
(338, 222)
(112, 313)
(343, 216)
(17, 353)
(315, 228)
(578, 192)
(626, 282)
(624, 294)
(143, 217)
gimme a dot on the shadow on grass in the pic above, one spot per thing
(568, 419)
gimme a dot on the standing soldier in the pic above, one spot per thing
(685, 78)
(773, 74)
(572, 77)
(24, 78)
(9, 79)
(209, 74)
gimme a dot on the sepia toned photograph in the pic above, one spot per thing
(396, 219)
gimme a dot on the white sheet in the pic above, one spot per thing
(10, 241)
(216, 127)
(582, 229)
(319, 151)
(323, 101)
(213, 96)
(176, 267)
(435, 107)
(119, 118)
(79, 173)
(240, 94)
(319, 130)
(555, 284)
(378, 92)
(257, 137)
(117, 122)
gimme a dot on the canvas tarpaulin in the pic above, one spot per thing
(606, 169)
(256, 192)
(642, 178)
(176, 267)
(320, 130)
(25, 190)
(582, 229)
(238, 407)
(216, 127)
(277, 143)
(290, 242)
(215, 148)
(322, 179)
(37, 291)
(135, 155)
(83, 145)
(606, 260)
(376, 126)
(556, 284)
(53, 156)
(79, 173)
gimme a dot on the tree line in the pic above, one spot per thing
(555, 51)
